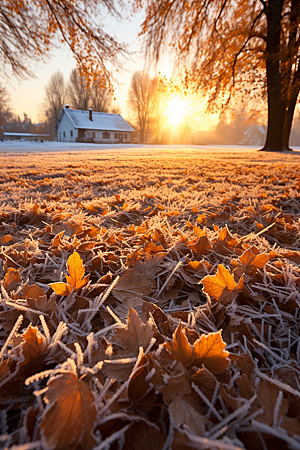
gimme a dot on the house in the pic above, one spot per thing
(255, 135)
(89, 126)
(26, 136)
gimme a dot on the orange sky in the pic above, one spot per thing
(27, 95)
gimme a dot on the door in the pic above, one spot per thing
(60, 136)
(120, 137)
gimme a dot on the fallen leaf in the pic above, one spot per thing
(6, 240)
(37, 299)
(202, 246)
(205, 380)
(180, 348)
(57, 239)
(142, 436)
(61, 288)
(76, 271)
(186, 412)
(140, 279)
(267, 396)
(222, 286)
(226, 243)
(135, 335)
(69, 417)
(76, 279)
(252, 260)
(210, 351)
(12, 280)
(30, 354)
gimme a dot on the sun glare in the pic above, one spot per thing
(177, 108)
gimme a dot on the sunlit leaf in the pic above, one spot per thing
(180, 347)
(221, 286)
(70, 415)
(210, 351)
(76, 271)
(61, 288)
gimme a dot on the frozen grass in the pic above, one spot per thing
(150, 223)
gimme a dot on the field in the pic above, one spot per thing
(149, 298)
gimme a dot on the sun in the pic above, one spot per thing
(177, 108)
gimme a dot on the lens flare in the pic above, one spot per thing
(177, 108)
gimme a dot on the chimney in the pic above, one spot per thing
(91, 114)
(67, 106)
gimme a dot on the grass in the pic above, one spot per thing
(149, 225)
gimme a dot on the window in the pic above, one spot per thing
(105, 135)
(116, 136)
(125, 136)
(71, 133)
(64, 134)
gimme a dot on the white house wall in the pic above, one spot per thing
(64, 129)
(112, 139)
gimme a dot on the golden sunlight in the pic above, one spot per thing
(177, 108)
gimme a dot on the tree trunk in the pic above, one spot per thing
(288, 120)
(274, 138)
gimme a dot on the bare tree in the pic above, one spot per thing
(54, 98)
(5, 112)
(140, 99)
(29, 30)
(77, 91)
(100, 97)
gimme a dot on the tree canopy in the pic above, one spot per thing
(30, 29)
(233, 46)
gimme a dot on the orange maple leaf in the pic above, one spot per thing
(210, 351)
(76, 279)
(30, 354)
(180, 347)
(222, 286)
(202, 246)
(70, 415)
(135, 335)
(252, 260)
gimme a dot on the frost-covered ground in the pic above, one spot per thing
(124, 274)
(32, 147)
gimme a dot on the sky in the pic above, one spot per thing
(27, 95)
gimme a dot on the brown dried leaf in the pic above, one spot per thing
(136, 334)
(12, 280)
(37, 299)
(70, 415)
(202, 246)
(57, 239)
(32, 351)
(252, 260)
(139, 280)
(142, 436)
(177, 383)
(185, 411)
(205, 381)
(6, 240)
(267, 395)
(226, 243)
